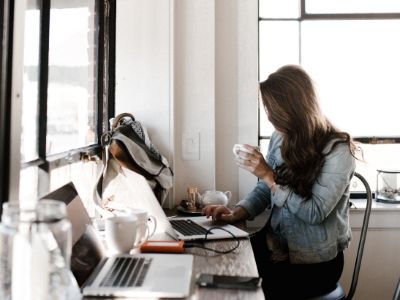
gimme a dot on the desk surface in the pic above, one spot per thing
(239, 262)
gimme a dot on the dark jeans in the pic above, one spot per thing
(287, 281)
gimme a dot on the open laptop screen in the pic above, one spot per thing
(87, 250)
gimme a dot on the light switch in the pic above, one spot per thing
(191, 145)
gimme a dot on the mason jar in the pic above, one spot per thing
(7, 234)
(36, 261)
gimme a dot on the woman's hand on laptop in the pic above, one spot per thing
(222, 213)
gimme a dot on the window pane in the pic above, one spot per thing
(279, 8)
(377, 157)
(28, 185)
(356, 65)
(29, 134)
(71, 119)
(352, 6)
(279, 45)
(83, 175)
(266, 127)
(264, 143)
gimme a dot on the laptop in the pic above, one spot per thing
(138, 275)
(180, 228)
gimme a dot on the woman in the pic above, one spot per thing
(305, 180)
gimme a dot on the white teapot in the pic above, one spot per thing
(215, 197)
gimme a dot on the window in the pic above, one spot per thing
(72, 82)
(350, 49)
(67, 93)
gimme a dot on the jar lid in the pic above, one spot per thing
(392, 171)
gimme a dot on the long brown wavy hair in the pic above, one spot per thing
(292, 107)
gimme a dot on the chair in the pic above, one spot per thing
(338, 293)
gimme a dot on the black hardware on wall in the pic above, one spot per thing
(6, 38)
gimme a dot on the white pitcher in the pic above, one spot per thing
(215, 197)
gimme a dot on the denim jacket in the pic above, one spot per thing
(306, 231)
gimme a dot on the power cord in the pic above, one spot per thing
(197, 245)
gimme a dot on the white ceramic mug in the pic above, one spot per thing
(147, 224)
(241, 147)
(121, 233)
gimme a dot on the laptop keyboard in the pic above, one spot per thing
(188, 227)
(127, 272)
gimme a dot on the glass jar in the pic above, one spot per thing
(35, 249)
(7, 234)
(388, 186)
(192, 198)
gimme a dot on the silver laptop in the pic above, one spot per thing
(143, 197)
(138, 275)
(196, 228)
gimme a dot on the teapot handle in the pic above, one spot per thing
(200, 198)
(229, 195)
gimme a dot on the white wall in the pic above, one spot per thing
(192, 65)
(194, 86)
(16, 98)
(247, 84)
(143, 66)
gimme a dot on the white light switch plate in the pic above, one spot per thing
(191, 145)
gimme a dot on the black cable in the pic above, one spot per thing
(194, 245)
